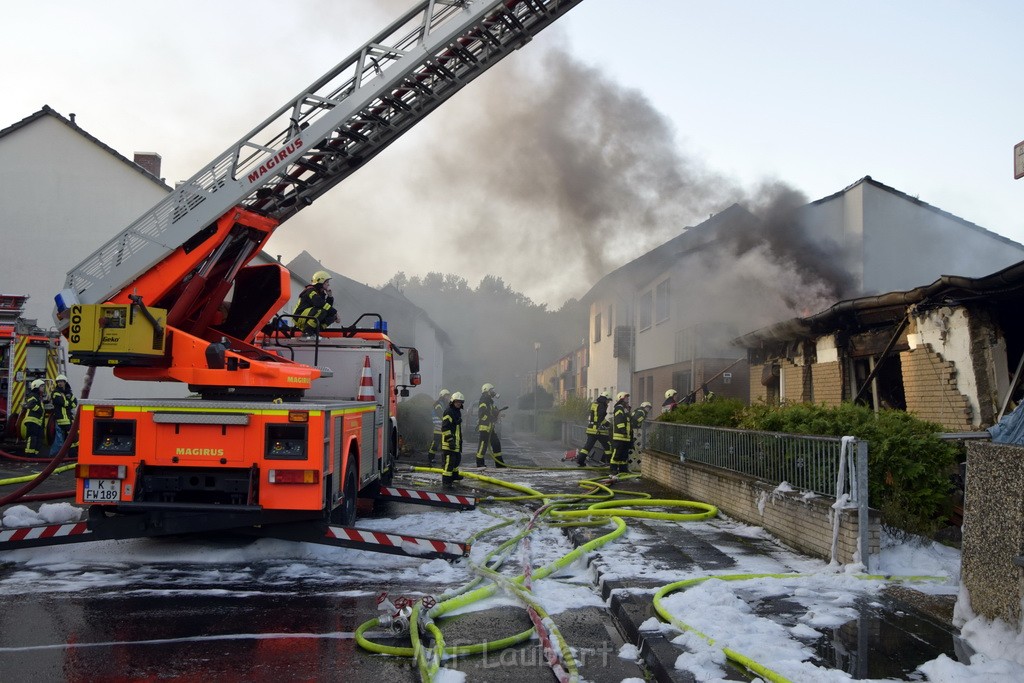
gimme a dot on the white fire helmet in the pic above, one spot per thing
(37, 384)
(621, 395)
(61, 378)
(646, 405)
(444, 392)
(606, 394)
(457, 396)
(670, 393)
(321, 276)
(487, 388)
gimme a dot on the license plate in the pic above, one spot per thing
(102, 490)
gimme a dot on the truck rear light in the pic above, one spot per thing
(298, 416)
(414, 379)
(294, 476)
(105, 412)
(101, 471)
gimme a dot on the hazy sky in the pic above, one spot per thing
(615, 128)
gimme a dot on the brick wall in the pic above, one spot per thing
(758, 391)
(828, 383)
(797, 388)
(803, 525)
(929, 383)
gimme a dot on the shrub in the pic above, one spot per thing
(718, 412)
(909, 467)
(574, 409)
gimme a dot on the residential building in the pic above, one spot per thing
(65, 193)
(668, 318)
(945, 352)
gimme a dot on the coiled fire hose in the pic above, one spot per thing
(564, 507)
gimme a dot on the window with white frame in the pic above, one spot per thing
(597, 327)
(645, 309)
(661, 303)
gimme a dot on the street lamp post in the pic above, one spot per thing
(536, 385)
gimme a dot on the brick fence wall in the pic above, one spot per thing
(805, 525)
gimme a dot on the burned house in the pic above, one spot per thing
(948, 352)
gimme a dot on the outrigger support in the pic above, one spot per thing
(101, 527)
(420, 497)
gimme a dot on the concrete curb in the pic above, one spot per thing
(629, 611)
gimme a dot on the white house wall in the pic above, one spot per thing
(63, 197)
(907, 246)
(606, 372)
(894, 243)
(655, 343)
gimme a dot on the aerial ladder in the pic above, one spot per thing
(184, 255)
(258, 455)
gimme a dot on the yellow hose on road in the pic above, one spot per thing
(30, 477)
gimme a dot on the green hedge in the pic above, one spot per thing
(909, 467)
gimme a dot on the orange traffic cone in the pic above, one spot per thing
(366, 383)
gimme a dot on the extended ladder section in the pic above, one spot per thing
(330, 130)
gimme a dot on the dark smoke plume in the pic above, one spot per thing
(559, 175)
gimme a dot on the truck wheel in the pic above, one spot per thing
(345, 514)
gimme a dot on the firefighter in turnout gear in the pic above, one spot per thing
(451, 440)
(670, 401)
(596, 428)
(440, 405)
(636, 423)
(487, 422)
(315, 308)
(622, 436)
(35, 411)
(64, 406)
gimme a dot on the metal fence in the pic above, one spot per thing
(819, 464)
(809, 463)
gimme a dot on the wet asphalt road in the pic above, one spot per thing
(126, 617)
(129, 620)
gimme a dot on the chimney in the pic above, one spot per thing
(149, 161)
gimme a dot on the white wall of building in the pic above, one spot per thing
(63, 196)
(893, 242)
(607, 372)
(656, 321)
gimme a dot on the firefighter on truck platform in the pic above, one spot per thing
(315, 309)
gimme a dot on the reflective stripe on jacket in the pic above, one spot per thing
(451, 429)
